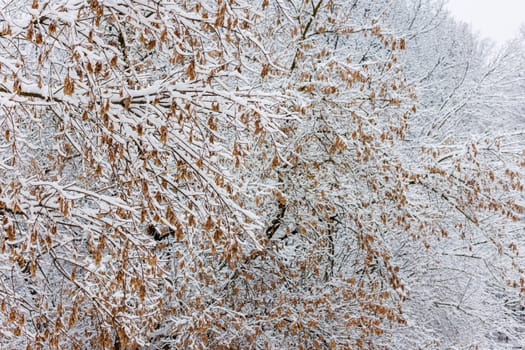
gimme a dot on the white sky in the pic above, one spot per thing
(499, 20)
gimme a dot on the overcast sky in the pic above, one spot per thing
(499, 20)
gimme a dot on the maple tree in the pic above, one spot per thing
(245, 174)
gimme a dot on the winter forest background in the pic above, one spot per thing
(258, 174)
